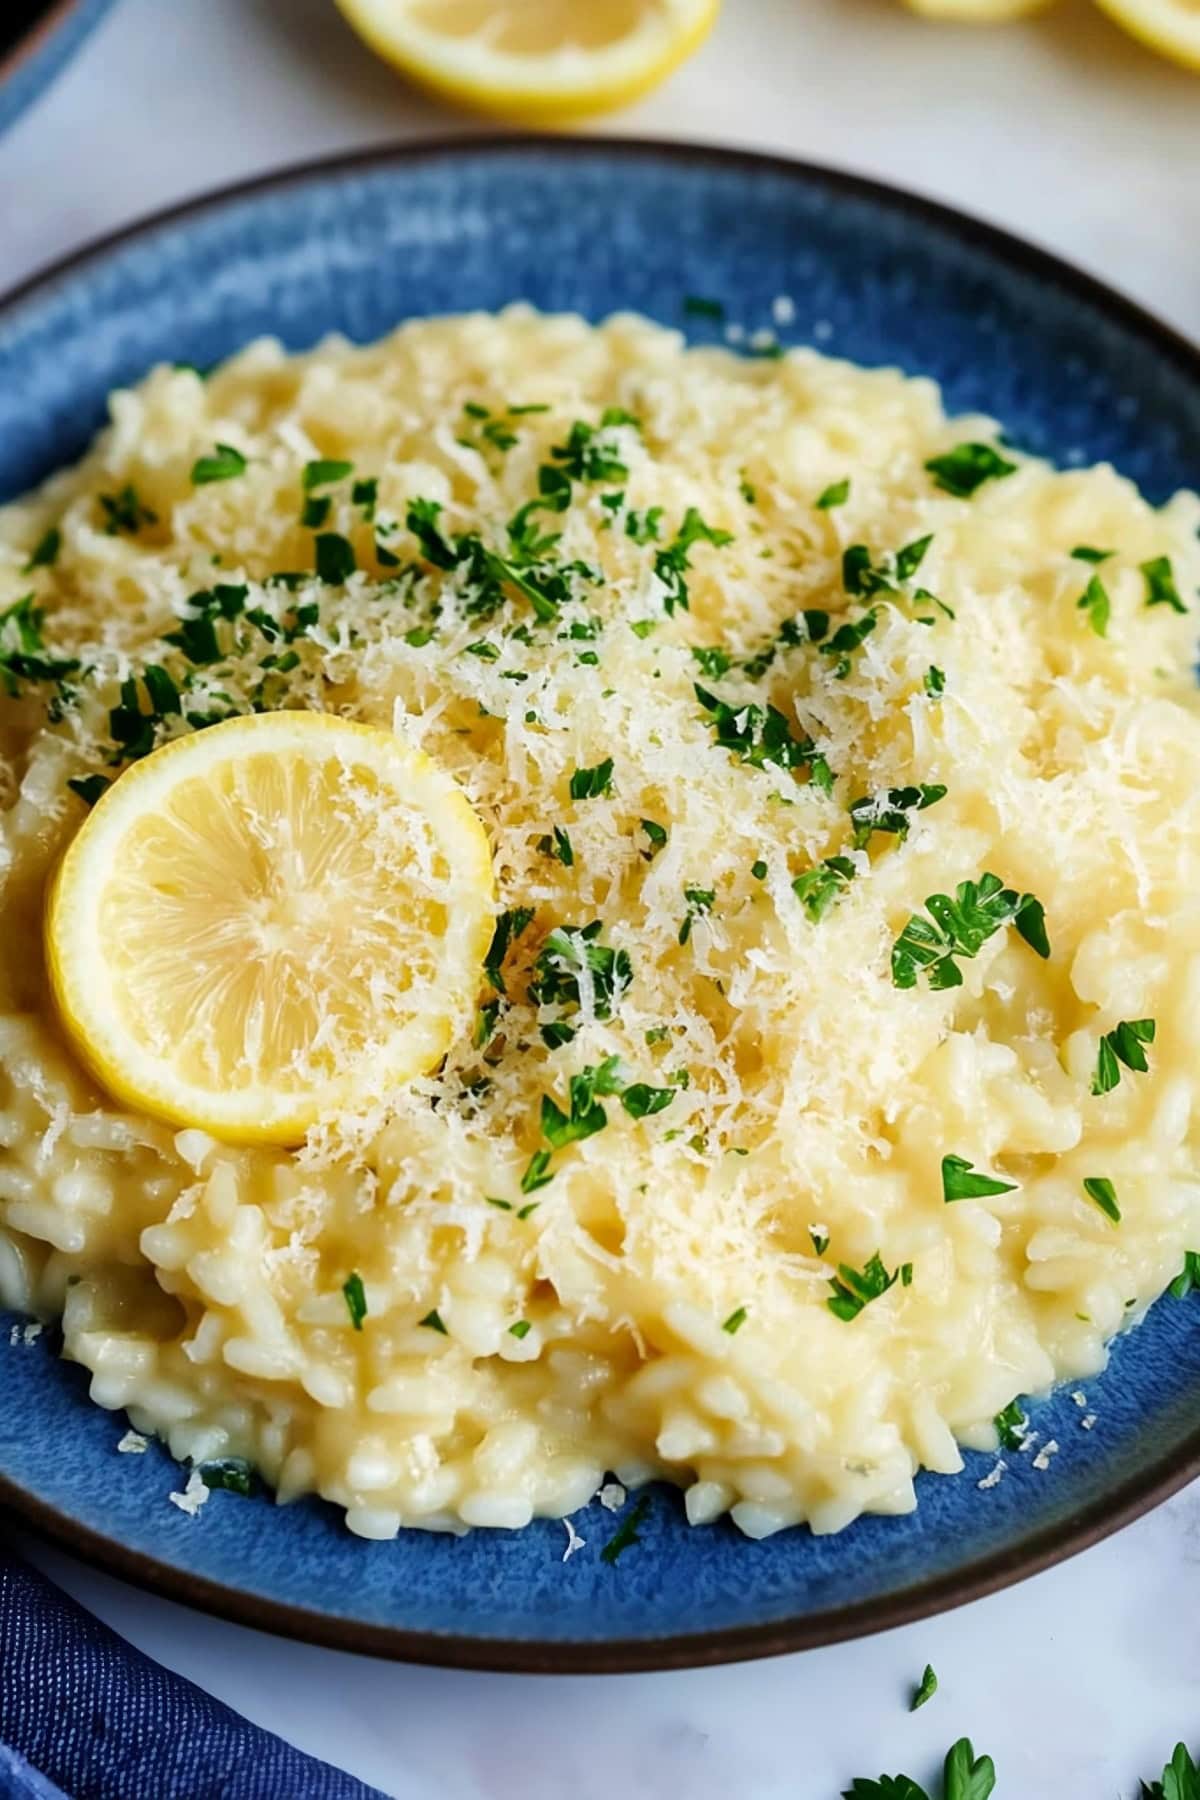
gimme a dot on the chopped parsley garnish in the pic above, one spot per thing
(925, 1689)
(671, 565)
(593, 784)
(134, 732)
(819, 1240)
(316, 511)
(228, 1474)
(1160, 584)
(558, 845)
(698, 307)
(892, 811)
(748, 491)
(836, 494)
(965, 468)
(356, 1300)
(846, 640)
(1188, 1279)
(123, 511)
(586, 1115)
(861, 575)
(433, 1322)
(45, 552)
(960, 927)
(336, 561)
(736, 1320)
(571, 959)
(521, 1329)
(1089, 554)
(222, 465)
(1094, 601)
(643, 527)
(759, 870)
(852, 1289)
(699, 904)
(935, 682)
(818, 888)
(419, 636)
(485, 651)
(712, 660)
(486, 1020)
(24, 655)
(589, 453)
(1010, 1426)
(658, 1034)
(1122, 1045)
(88, 787)
(656, 836)
(759, 735)
(1102, 1191)
(626, 1535)
(365, 493)
(422, 521)
(642, 1101)
(536, 1175)
(961, 1181)
(508, 929)
(910, 558)
(324, 472)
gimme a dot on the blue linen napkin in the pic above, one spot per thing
(85, 1716)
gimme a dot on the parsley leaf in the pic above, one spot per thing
(323, 472)
(925, 1690)
(699, 903)
(910, 558)
(589, 454)
(847, 639)
(861, 575)
(593, 784)
(45, 552)
(818, 888)
(433, 1322)
(965, 468)
(672, 564)
(336, 561)
(657, 836)
(959, 927)
(1188, 1279)
(222, 465)
(1160, 584)
(356, 1300)
(1102, 1191)
(626, 1535)
(123, 511)
(935, 682)
(1094, 601)
(23, 653)
(891, 811)
(700, 308)
(853, 1289)
(736, 1320)
(966, 1776)
(1089, 554)
(586, 1116)
(1180, 1779)
(641, 1101)
(1010, 1426)
(1122, 1045)
(228, 1474)
(508, 929)
(758, 735)
(422, 520)
(521, 1329)
(572, 958)
(643, 527)
(960, 1181)
(558, 845)
(836, 494)
(89, 787)
(714, 662)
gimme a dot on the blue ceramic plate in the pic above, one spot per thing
(34, 51)
(1074, 372)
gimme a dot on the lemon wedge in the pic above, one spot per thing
(534, 61)
(1172, 27)
(276, 917)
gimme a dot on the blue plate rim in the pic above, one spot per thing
(1153, 1483)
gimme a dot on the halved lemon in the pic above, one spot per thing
(976, 12)
(1172, 27)
(534, 60)
(274, 918)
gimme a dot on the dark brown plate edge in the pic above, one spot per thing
(1079, 1531)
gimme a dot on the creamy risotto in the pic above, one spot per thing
(831, 1076)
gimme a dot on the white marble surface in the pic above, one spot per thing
(1080, 1681)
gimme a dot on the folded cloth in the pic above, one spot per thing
(85, 1716)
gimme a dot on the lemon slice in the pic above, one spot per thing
(1172, 27)
(274, 918)
(534, 60)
